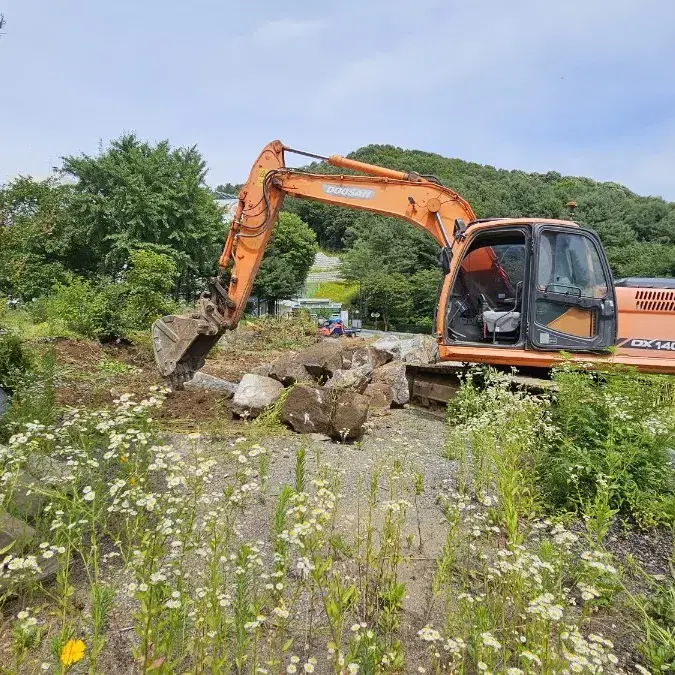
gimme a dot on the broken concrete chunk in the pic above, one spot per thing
(420, 349)
(380, 395)
(355, 379)
(394, 375)
(350, 413)
(4, 402)
(205, 382)
(288, 369)
(307, 409)
(14, 531)
(254, 394)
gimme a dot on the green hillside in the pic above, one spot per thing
(638, 232)
(396, 264)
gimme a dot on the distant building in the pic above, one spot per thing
(227, 205)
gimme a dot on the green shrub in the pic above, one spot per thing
(33, 399)
(92, 310)
(612, 438)
(600, 446)
(149, 280)
(13, 359)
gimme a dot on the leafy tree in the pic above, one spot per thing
(136, 195)
(227, 190)
(389, 295)
(33, 241)
(424, 287)
(93, 309)
(287, 260)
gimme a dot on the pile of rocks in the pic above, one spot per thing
(336, 383)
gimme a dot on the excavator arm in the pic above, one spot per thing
(181, 343)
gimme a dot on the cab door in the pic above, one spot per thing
(572, 304)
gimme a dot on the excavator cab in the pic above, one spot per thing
(532, 285)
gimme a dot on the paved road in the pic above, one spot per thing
(369, 332)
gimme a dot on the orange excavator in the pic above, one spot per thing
(523, 292)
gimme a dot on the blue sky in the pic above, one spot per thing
(584, 87)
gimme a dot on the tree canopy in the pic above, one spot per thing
(288, 258)
(132, 196)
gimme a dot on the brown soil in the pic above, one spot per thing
(82, 381)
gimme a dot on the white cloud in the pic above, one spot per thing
(283, 30)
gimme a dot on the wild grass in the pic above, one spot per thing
(153, 542)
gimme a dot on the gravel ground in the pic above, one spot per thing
(410, 438)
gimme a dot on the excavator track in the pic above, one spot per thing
(432, 386)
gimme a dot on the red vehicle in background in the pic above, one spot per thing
(335, 327)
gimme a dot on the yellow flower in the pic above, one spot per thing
(72, 652)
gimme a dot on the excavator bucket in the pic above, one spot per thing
(181, 344)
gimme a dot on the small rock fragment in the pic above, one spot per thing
(205, 382)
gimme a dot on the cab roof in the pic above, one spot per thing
(502, 222)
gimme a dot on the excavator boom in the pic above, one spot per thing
(181, 343)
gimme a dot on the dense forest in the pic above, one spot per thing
(395, 264)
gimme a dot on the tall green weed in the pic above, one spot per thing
(614, 432)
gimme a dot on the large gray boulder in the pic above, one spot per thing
(322, 359)
(393, 374)
(307, 409)
(254, 394)
(205, 382)
(390, 345)
(371, 355)
(316, 410)
(420, 349)
(288, 369)
(355, 379)
(263, 369)
(15, 532)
